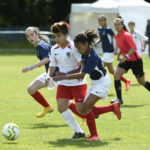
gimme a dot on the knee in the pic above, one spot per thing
(141, 82)
(60, 108)
(111, 72)
(83, 110)
(31, 90)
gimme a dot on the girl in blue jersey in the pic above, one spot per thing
(106, 35)
(100, 81)
(42, 50)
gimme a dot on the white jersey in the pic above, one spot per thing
(66, 59)
(138, 39)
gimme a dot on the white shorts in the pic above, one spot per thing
(42, 79)
(99, 88)
(108, 57)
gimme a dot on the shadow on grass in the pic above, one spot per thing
(136, 84)
(10, 143)
(133, 106)
(110, 95)
(43, 125)
(82, 143)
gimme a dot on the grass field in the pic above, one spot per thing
(51, 132)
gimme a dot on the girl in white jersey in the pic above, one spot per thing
(139, 38)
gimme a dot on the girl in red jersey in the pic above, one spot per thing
(43, 49)
(131, 59)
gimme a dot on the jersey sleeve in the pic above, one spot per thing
(129, 40)
(142, 36)
(91, 64)
(43, 52)
(110, 31)
(53, 62)
(76, 54)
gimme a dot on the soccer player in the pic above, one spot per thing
(139, 38)
(131, 59)
(100, 81)
(106, 35)
(66, 57)
(42, 49)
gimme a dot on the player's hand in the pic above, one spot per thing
(142, 49)
(24, 70)
(57, 78)
(115, 52)
(59, 73)
(95, 44)
(47, 80)
(122, 60)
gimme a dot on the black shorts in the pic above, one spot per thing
(135, 66)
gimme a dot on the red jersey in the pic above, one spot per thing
(125, 42)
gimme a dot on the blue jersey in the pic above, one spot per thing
(93, 65)
(43, 51)
(106, 36)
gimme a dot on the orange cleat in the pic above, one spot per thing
(93, 138)
(127, 85)
(117, 110)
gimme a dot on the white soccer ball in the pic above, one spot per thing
(10, 131)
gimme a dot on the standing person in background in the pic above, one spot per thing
(139, 38)
(42, 49)
(148, 33)
(106, 35)
(131, 59)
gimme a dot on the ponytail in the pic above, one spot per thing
(88, 36)
(37, 31)
(122, 22)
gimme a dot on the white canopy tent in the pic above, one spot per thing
(85, 16)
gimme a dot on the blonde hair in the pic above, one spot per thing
(37, 31)
(102, 17)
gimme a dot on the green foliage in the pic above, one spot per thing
(51, 132)
(35, 12)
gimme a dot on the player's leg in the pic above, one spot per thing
(137, 69)
(63, 97)
(117, 76)
(33, 91)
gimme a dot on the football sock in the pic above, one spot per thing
(90, 119)
(72, 107)
(69, 118)
(103, 109)
(123, 79)
(147, 85)
(118, 89)
(40, 99)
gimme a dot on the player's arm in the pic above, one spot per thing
(37, 65)
(97, 41)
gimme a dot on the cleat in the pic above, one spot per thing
(117, 110)
(83, 121)
(46, 110)
(127, 85)
(78, 135)
(116, 100)
(93, 138)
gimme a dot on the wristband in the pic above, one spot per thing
(66, 73)
(31, 67)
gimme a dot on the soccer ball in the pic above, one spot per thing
(10, 131)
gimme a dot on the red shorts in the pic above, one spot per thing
(72, 92)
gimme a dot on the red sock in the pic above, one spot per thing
(90, 119)
(40, 99)
(74, 110)
(123, 79)
(102, 109)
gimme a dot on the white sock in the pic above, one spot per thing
(67, 115)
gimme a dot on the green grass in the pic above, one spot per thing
(51, 132)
